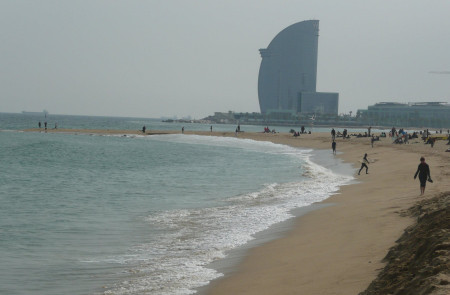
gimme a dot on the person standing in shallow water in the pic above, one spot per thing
(363, 164)
(423, 170)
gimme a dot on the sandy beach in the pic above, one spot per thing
(337, 249)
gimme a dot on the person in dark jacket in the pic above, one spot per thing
(423, 170)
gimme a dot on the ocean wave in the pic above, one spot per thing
(185, 241)
(232, 142)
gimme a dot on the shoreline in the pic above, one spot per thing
(340, 249)
(229, 265)
(336, 249)
(231, 262)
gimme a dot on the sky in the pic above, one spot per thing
(167, 58)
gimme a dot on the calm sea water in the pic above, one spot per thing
(83, 214)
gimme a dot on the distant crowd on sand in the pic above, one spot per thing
(365, 161)
(400, 136)
(302, 131)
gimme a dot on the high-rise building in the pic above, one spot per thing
(288, 73)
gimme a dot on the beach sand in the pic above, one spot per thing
(338, 249)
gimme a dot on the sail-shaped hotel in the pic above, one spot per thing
(288, 73)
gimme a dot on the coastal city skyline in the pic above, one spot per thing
(164, 59)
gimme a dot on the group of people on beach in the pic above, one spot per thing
(423, 170)
(267, 130)
(335, 134)
(45, 125)
(365, 161)
(297, 133)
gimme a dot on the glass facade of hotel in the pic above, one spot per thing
(289, 68)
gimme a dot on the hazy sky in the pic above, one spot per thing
(176, 57)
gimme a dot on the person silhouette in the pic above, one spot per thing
(423, 170)
(363, 164)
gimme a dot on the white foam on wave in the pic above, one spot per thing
(187, 240)
(232, 142)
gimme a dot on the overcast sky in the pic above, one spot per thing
(176, 57)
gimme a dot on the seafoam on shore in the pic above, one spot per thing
(188, 239)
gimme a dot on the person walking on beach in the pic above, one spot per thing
(182, 130)
(39, 124)
(423, 170)
(363, 164)
(211, 128)
(143, 129)
(333, 146)
(433, 140)
(333, 134)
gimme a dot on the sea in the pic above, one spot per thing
(130, 214)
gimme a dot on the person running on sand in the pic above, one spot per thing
(363, 164)
(424, 174)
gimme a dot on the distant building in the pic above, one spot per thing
(288, 73)
(420, 114)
